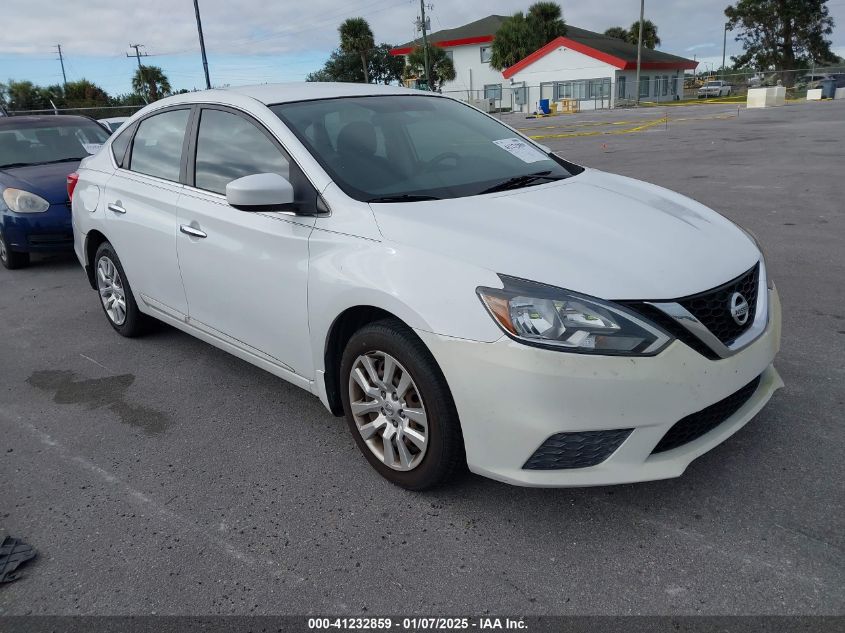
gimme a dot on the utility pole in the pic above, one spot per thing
(62, 62)
(724, 45)
(137, 56)
(202, 45)
(424, 26)
(640, 49)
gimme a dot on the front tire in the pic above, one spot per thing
(116, 296)
(12, 259)
(399, 408)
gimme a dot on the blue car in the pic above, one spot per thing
(36, 155)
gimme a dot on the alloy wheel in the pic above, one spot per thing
(3, 253)
(112, 294)
(388, 410)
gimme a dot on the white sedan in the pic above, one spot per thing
(460, 294)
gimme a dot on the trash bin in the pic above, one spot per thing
(544, 106)
(828, 88)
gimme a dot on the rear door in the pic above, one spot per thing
(141, 201)
(245, 273)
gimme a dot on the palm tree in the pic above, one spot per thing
(650, 39)
(356, 36)
(547, 20)
(521, 34)
(152, 81)
(441, 67)
(618, 32)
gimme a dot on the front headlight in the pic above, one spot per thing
(552, 317)
(21, 201)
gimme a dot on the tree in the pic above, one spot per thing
(650, 39)
(84, 94)
(339, 66)
(356, 37)
(382, 67)
(781, 34)
(522, 34)
(440, 66)
(151, 81)
(385, 68)
(618, 32)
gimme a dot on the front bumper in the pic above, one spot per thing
(39, 232)
(511, 398)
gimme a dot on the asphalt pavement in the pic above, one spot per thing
(162, 475)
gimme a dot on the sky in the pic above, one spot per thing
(252, 41)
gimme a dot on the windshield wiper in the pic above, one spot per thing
(405, 197)
(522, 181)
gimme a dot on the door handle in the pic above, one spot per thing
(114, 206)
(189, 230)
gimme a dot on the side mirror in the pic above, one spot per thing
(260, 192)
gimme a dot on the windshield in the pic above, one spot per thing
(405, 147)
(27, 143)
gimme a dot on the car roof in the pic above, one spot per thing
(269, 94)
(38, 120)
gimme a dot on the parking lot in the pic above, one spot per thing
(163, 475)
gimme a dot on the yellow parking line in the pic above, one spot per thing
(638, 128)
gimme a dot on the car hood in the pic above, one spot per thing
(595, 233)
(47, 181)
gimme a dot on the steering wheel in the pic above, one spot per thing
(432, 164)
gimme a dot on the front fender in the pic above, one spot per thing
(427, 291)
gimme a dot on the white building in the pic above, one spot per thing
(591, 68)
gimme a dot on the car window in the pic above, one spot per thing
(230, 147)
(407, 146)
(119, 145)
(62, 139)
(157, 146)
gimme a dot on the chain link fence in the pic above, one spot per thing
(97, 112)
(661, 88)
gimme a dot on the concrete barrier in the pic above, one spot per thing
(814, 95)
(839, 93)
(766, 97)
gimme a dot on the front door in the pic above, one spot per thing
(245, 273)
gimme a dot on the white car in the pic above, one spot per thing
(714, 89)
(113, 124)
(460, 294)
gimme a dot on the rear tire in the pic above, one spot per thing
(116, 296)
(405, 424)
(12, 259)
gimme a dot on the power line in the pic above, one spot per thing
(138, 54)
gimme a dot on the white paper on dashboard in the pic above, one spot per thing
(522, 150)
(92, 148)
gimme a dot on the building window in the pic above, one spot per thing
(486, 54)
(493, 91)
(450, 55)
(620, 86)
(644, 86)
(665, 85)
(673, 89)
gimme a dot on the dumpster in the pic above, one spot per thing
(828, 88)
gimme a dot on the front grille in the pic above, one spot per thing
(713, 307)
(576, 450)
(697, 424)
(671, 326)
